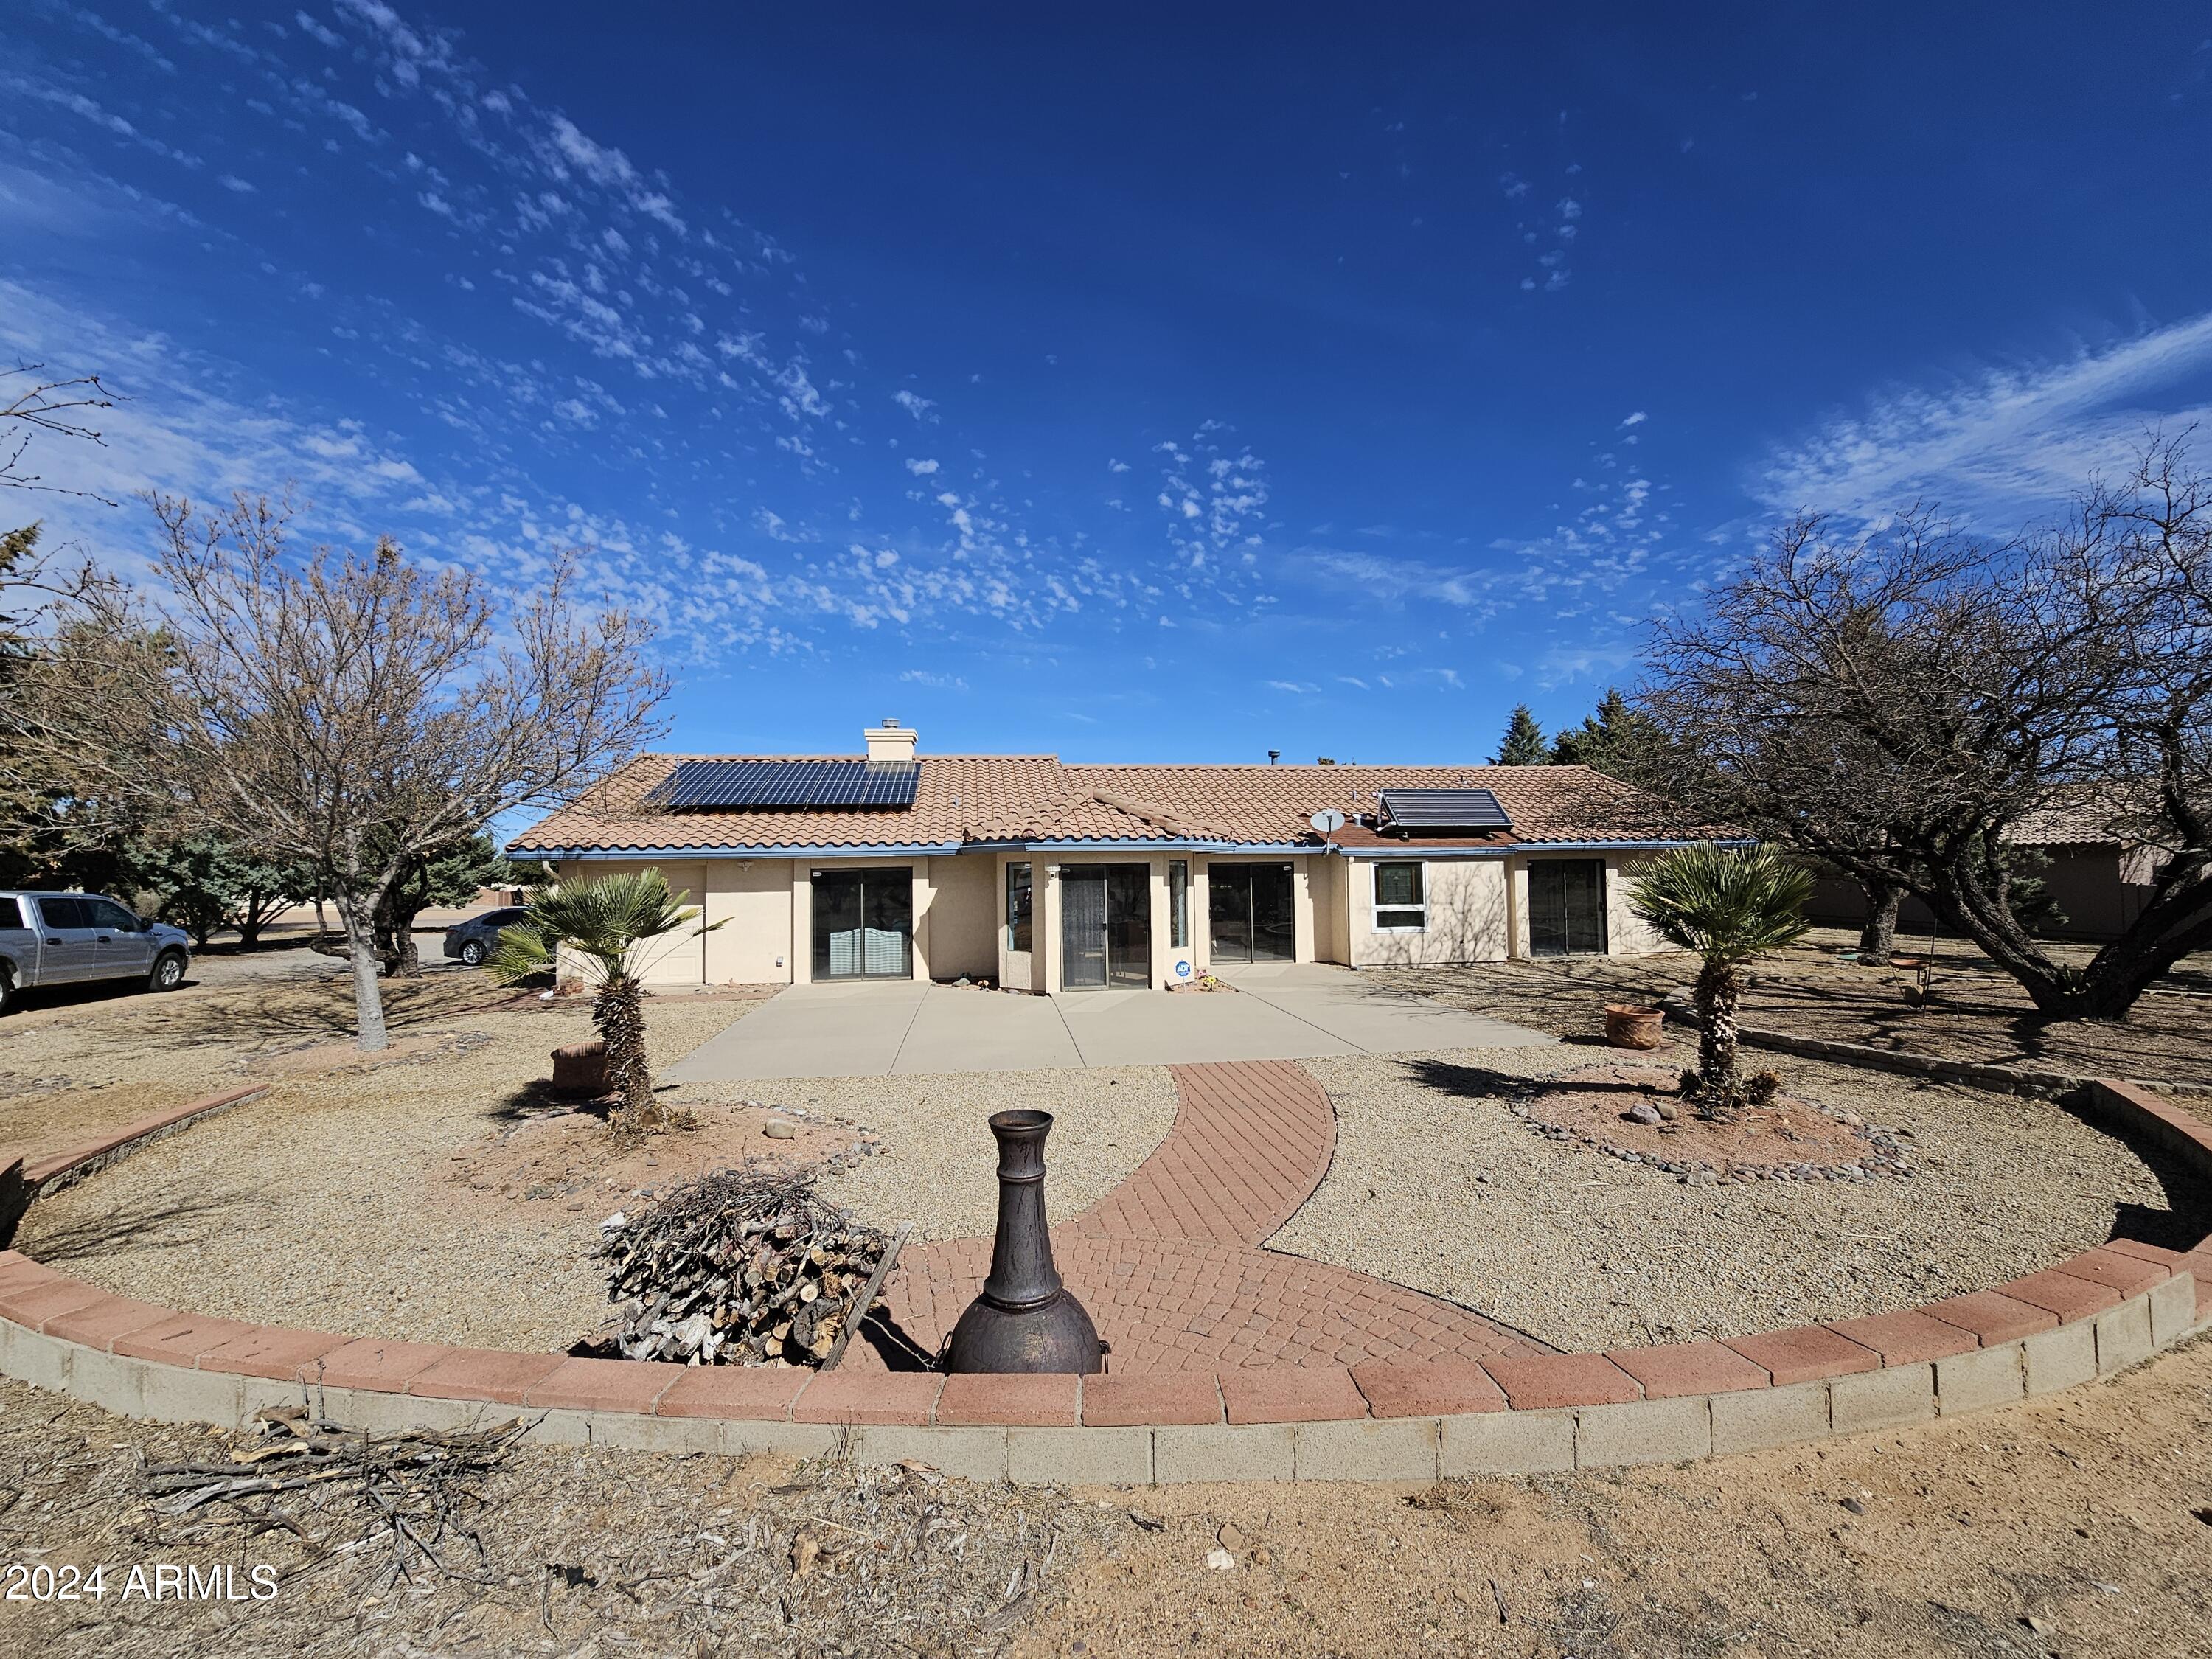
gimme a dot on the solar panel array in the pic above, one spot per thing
(1443, 809)
(789, 785)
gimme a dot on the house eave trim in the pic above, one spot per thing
(1416, 850)
(879, 850)
(1236, 848)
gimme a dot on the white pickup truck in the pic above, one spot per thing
(64, 939)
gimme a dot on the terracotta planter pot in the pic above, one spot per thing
(580, 1069)
(1628, 1026)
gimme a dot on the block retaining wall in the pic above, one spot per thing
(2095, 1314)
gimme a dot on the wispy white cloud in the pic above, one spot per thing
(1213, 493)
(313, 30)
(2003, 441)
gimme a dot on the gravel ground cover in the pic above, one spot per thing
(424, 1197)
(72, 1068)
(1974, 1013)
(1435, 1184)
(941, 1171)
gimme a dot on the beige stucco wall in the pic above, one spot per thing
(963, 908)
(681, 958)
(1626, 933)
(1478, 912)
(1468, 917)
(1201, 930)
(752, 898)
(1330, 880)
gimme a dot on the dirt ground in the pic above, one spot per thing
(2080, 1525)
(566, 1154)
(1973, 1012)
(2086, 1514)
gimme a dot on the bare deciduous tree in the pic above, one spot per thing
(347, 713)
(34, 405)
(1897, 705)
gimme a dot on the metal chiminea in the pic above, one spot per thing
(1025, 1320)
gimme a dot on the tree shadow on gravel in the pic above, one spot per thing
(167, 1218)
(2187, 1217)
(264, 1017)
(1480, 1083)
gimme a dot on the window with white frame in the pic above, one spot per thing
(1401, 898)
(1178, 903)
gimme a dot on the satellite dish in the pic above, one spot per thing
(1329, 821)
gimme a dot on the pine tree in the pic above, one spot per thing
(1605, 741)
(1524, 745)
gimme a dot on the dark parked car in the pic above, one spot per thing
(471, 940)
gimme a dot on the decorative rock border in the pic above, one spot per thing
(1884, 1155)
(2097, 1313)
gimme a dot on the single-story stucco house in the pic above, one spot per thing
(1048, 877)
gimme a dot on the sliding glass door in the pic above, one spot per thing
(1250, 913)
(864, 923)
(1566, 907)
(1105, 926)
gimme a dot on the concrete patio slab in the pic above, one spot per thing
(812, 1030)
(961, 1028)
(1148, 1028)
(1372, 1019)
(1279, 1011)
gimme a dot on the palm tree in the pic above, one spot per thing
(1729, 904)
(605, 926)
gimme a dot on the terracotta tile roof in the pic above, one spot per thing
(1273, 803)
(998, 798)
(2080, 815)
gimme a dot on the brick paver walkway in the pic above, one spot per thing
(1169, 1263)
(1251, 1140)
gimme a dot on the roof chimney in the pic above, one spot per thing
(890, 742)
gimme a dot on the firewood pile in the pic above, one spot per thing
(743, 1267)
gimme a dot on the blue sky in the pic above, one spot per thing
(1133, 382)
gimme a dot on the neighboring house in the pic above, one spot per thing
(1047, 876)
(2098, 875)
